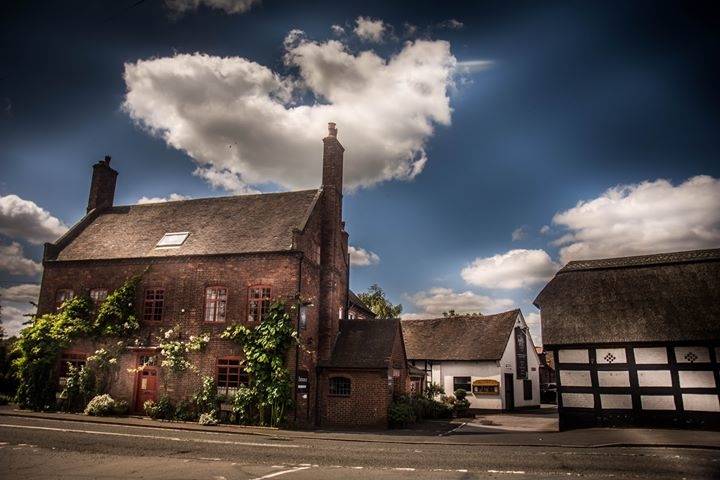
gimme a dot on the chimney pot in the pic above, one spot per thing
(332, 130)
(107, 159)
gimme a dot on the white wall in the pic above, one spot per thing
(443, 373)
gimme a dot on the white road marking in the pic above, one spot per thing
(401, 469)
(512, 472)
(153, 437)
(271, 475)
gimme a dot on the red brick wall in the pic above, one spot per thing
(367, 404)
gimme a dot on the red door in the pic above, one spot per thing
(146, 387)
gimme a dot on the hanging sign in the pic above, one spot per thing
(521, 364)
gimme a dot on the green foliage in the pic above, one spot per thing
(186, 411)
(401, 413)
(376, 301)
(116, 315)
(206, 399)
(174, 349)
(244, 405)
(209, 418)
(78, 390)
(8, 380)
(40, 344)
(265, 347)
(432, 390)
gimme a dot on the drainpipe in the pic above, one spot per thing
(297, 348)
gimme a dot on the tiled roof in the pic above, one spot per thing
(469, 337)
(650, 298)
(223, 225)
(365, 343)
(357, 303)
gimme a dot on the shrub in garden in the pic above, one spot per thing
(462, 404)
(150, 408)
(401, 413)
(186, 411)
(165, 409)
(121, 407)
(101, 406)
(206, 398)
(208, 418)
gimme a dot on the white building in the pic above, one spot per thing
(492, 357)
(636, 340)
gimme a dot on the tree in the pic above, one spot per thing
(452, 313)
(376, 301)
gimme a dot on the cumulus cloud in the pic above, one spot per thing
(14, 262)
(224, 179)
(370, 29)
(236, 116)
(359, 257)
(15, 303)
(23, 293)
(452, 24)
(170, 198)
(533, 322)
(337, 30)
(545, 229)
(227, 6)
(649, 217)
(514, 269)
(24, 219)
(432, 303)
(519, 234)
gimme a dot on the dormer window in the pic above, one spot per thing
(174, 239)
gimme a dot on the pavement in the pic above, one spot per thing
(534, 428)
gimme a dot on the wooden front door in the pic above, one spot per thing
(147, 385)
(509, 392)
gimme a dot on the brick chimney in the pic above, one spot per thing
(333, 250)
(102, 188)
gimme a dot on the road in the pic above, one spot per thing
(40, 448)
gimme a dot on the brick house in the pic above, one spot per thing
(207, 263)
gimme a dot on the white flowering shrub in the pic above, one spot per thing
(208, 418)
(101, 406)
(174, 349)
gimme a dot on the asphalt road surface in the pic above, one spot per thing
(40, 448)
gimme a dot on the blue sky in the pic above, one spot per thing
(515, 137)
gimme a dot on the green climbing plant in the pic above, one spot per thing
(39, 344)
(269, 392)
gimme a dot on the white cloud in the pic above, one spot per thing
(225, 180)
(228, 6)
(13, 318)
(434, 302)
(370, 29)
(452, 24)
(170, 198)
(472, 66)
(24, 219)
(233, 115)
(649, 217)
(519, 234)
(13, 261)
(545, 229)
(533, 322)
(23, 293)
(15, 302)
(514, 269)
(337, 30)
(359, 257)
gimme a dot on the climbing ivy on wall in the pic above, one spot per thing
(40, 344)
(269, 392)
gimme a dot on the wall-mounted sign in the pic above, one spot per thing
(485, 387)
(303, 381)
(521, 364)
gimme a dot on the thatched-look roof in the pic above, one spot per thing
(469, 337)
(649, 298)
(222, 225)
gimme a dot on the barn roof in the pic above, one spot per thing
(221, 225)
(648, 298)
(469, 337)
(366, 343)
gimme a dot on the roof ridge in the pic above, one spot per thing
(643, 260)
(465, 316)
(221, 197)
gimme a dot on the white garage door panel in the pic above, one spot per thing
(696, 379)
(654, 378)
(578, 400)
(613, 379)
(700, 402)
(575, 378)
(657, 402)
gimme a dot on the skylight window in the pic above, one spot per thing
(174, 239)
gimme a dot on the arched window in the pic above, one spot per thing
(340, 386)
